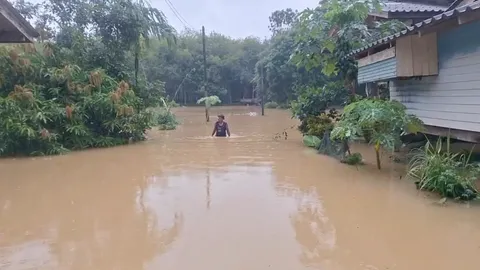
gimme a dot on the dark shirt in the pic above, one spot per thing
(221, 129)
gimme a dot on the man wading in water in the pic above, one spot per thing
(221, 127)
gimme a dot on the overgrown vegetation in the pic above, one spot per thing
(353, 159)
(314, 101)
(311, 141)
(48, 108)
(163, 118)
(449, 174)
(379, 122)
(318, 125)
(80, 85)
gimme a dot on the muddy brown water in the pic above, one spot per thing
(184, 201)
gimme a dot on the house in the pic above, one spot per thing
(433, 68)
(410, 11)
(13, 27)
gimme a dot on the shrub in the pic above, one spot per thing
(313, 101)
(449, 174)
(163, 118)
(382, 122)
(317, 125)
(311, 141)
(173, 104)
(49, 108)
(271, 105)
(353, 159)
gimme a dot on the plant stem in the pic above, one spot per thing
(377, 153)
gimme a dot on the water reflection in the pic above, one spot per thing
(314, 231)
(85, 215)
(208, 188)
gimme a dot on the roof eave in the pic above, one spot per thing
(416, 27)
(22, 25)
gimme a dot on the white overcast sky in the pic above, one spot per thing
(235, 18)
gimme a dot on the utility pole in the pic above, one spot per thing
(262, 91)
(207, 116)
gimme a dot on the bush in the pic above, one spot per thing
(353, 159)
(173, 104)
(49, 108)
(271, 105)
(313, 101)
(449, 174)
(318, 125)
(311, 141)
(380, 122)
(163, 118)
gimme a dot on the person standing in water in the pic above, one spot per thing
(221, 127)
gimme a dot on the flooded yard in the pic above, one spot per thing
(185, 201)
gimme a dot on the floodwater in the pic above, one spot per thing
(185, 201)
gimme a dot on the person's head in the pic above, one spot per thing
(221, 118)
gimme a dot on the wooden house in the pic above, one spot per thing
(13, 27)
(410, 11)
(433, 68)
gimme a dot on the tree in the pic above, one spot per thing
(328, 33)
(116, 30)
(73, 90)
(282, 19)
(48, 107)
(230, 69)
(209, 102)
(379, 122)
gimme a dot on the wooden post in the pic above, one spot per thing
(262, 91)
(207, 116)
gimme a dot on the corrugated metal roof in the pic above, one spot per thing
(458, 3)
(411, 7)
(435, 19)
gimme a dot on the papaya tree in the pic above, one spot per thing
(384, 121)
(209, 102)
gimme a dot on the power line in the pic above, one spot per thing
(178, 15)
(176, 11)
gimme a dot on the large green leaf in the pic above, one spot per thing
(311, 141)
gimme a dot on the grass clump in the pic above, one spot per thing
(451, 175)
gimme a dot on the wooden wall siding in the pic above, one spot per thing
(417, 55)
(376, 57)
(451, 99)
(379, 71)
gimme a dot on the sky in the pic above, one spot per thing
(235, 18)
